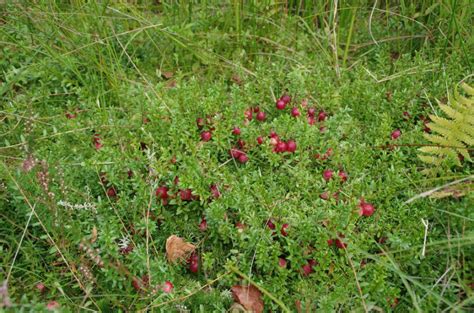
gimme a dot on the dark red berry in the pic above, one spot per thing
(270, 224)
(236, 131)
(260, 140)
(365, 208)
(327, 174)
(280, 147)
(284, 229)
(162, 192)
(286, 99)
(243, 158)
(241, 143)
(111, 192)
(235, 153)
(194, 267)
(340, 244)
(193, 262)
(136, 283)
(322, 116)
(343, 176)
(200, 122)
(395, 134)
(280, 105)
(167, 287)
(206, 136)
(261, 116)
(203, 225)
(215, 191)
(308, 267)
(291, 146)
(248, 114)
(295, 112)
(186, 194)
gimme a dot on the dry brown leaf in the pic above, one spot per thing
(167, 75)
(94, 234)
(237, 80)
(249, 297)
(237, 308)
(178, 249)
(455, 191)
(331, 268)
(171, 84)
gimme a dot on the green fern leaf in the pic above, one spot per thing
(453, 134)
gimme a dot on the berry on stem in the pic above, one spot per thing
(261, 116)
(327, 174)
(206, 136)
(295, 112)
(365, 208)
(280, 105)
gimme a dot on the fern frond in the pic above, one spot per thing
(430, 159)
(468, 89)
(443, 141)
(453, 134)
(452, 113)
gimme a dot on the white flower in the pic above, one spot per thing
(123, 242)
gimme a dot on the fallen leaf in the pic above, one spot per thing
(331, 268)
(94, 234)
(171, 84)
(249, 297)
(167, 75)
(237, 80)
(178, 249)
(455, 191)
(298, 306)
(237, 308)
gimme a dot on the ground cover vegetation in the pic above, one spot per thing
(213, 156)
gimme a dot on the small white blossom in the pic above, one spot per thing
(123, 242)
(78, 206)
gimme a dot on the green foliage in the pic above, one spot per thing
(455, 134)
(138, 76)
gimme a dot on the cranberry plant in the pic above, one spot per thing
(146, 166)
